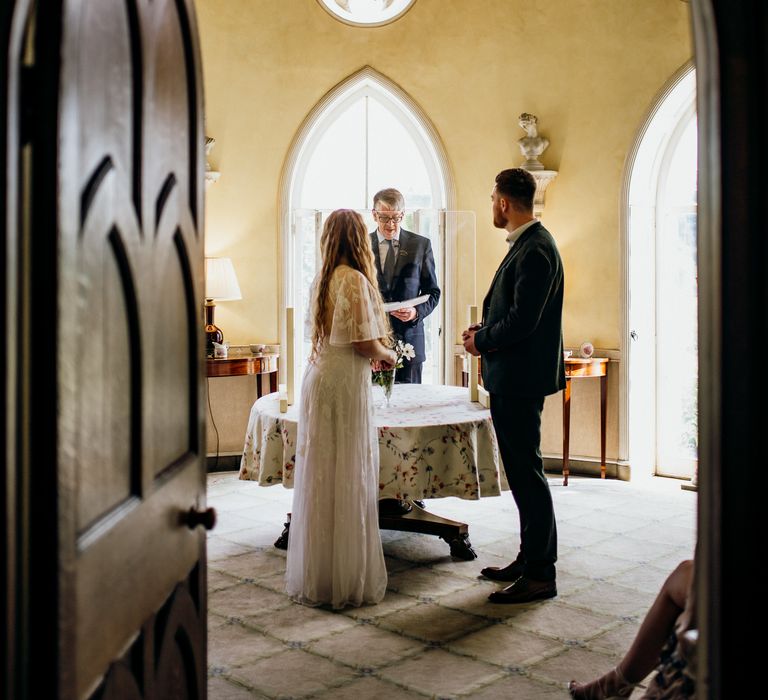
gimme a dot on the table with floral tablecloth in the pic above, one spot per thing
(434, 442)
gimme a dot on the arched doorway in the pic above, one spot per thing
(364, 135)
(661, 287)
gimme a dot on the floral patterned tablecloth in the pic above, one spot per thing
(434, 443)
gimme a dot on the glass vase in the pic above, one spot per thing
(387, 384)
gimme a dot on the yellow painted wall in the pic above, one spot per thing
(587, 68)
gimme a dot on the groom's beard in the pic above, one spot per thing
(499, 220)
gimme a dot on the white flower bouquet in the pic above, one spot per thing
(385, 378)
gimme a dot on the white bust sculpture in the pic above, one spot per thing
(531, 145)
(211, 175)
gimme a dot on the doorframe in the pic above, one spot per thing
(709, 584)
(9, 19)
(731, 46)
(30, 349)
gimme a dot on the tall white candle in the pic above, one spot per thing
(472, 360)
(289, 361)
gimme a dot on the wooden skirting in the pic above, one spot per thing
(584, 466)
(223, 463)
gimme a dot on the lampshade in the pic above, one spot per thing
(221, 280)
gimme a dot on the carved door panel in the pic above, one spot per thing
(112, 171)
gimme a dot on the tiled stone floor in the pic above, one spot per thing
(435, 635)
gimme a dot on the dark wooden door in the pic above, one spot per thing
(106, 163)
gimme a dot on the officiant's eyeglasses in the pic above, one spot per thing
(385, 219)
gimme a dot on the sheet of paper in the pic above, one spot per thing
(407, 304)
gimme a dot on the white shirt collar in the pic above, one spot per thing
(395, 238)
(512, 236)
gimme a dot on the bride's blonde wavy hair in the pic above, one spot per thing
(344, 241)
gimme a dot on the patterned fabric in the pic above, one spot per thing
(673, 679)
(433, 443)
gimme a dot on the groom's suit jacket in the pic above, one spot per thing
(521, 340)
(414, 276)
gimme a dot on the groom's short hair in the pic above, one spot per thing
(517, 185)
(391, 197)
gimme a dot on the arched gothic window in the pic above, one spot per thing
(364, 135)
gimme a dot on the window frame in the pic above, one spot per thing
(413, 118)
(352, 23)
(641, 200)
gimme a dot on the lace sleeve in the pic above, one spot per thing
(356, 316)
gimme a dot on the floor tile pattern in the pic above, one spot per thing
(435, 635)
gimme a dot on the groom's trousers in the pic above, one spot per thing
(517, 422)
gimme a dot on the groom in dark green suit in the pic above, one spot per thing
(520, 341)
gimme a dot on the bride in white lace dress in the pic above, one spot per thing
(334, 547)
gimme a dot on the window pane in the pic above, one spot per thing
(366, 11)
(681, 181)
(394, 159)
(335, 174)
(676, 321)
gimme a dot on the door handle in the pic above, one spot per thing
(194, 517)
(633, 335)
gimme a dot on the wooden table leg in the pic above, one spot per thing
(455, 533)
(603, 410)
(566, 428)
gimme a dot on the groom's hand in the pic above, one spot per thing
(474, 327)
(468, 336)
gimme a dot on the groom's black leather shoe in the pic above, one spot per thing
(509, 573)
(524, 590)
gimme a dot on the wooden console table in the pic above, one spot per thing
(264, 364)
(577, 368)
(234, 383)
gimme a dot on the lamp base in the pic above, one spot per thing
(213, 333)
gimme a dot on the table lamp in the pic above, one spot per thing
(220, 285)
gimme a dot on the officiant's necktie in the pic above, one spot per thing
(389, 264)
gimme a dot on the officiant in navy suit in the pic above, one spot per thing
(406, 270)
